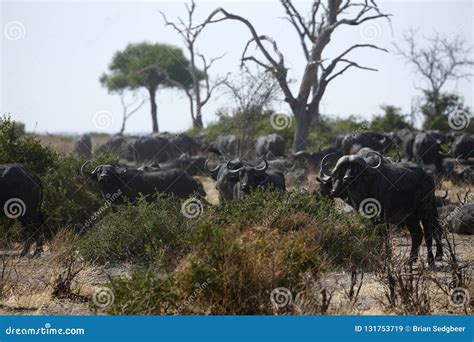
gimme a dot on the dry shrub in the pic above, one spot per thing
(235, 262)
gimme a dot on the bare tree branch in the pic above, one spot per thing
(314, 33)
(443, 59)
(190, 33)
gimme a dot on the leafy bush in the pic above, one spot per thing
(69, 197)
(236, 254)
(26, 150)
(391, 119)
(142, 233)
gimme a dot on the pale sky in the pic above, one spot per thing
(53, 53)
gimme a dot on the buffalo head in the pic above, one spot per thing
(102, 173)
(346, 172)
(249, 176)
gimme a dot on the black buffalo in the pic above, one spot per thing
(125, 184)
(463, 147)
(270, 146)
(407, 138)
(427, 150)
(237, 178)
(401, 193)
(252, 176)
(351, 144)
(21, 198)
(83, 146)
(312, 160)
(148, 149)
(227, 145)
(225, 181)
(194, 165)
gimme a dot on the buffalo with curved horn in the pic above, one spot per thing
(125, 184)
(238, 177)
(402, 193)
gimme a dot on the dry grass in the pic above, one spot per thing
(65, 144)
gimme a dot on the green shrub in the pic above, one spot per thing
(236, 254)
(141, 232)
(25, 150)
(69, 197)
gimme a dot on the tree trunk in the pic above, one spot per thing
(122, 129)
(303, 121)
(197, 122)
(154, 114)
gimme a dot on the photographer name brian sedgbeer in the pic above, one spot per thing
(438, 328)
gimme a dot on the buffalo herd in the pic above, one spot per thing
(355, 168)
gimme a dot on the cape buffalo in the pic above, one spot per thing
(312, 160)
(130, 183)
(427, 150)
(21, 197)
(463, 147)
(83, 146)
(351, 144)
(397, 193)
(252, 176)
(227, 145)
(225, 181)
(406, 137)
(270, 146)
(238, 177)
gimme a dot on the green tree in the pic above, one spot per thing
(148, 66)
(437, 107)
(391, 119)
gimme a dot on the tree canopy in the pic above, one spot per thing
(150, 66)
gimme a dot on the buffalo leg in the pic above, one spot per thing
(439, 244)
(429, 231)
(26, 235)
(416, 234)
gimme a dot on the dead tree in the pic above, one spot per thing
(202, 89)
(252, 92)
(314, 32)
(441, 60)
(128, 109)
